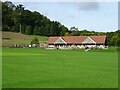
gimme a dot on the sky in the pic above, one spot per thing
(93, 16)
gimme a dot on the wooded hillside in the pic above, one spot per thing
(19, 19)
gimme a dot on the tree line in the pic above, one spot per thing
(113, 38)
(19, 19)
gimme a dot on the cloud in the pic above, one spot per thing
(88, 6)
(70, 16)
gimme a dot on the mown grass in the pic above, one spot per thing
(41, 68)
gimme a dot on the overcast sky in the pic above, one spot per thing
(95, 16)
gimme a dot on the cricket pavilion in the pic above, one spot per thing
(77, 42)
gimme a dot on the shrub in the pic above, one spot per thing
(35, 41)
(118, 42)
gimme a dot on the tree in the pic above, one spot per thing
(7, 21)
(67, 34)
(10, 5)
(114, 40)
(16, 27)
(35, 41)
(20, 8)
(73, 29)
(36, 30)
(36, 18)
(63, 30)
(75, 33)
(118, 42)
(28, 30)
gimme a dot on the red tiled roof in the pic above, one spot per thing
(98, 39)
(51, 40)
(78, 39)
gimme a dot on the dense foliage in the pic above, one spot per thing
(35, 41)
(19, 19)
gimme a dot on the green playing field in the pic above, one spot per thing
(41, 68)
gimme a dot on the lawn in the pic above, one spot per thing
(17, 38)
(41, 68)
